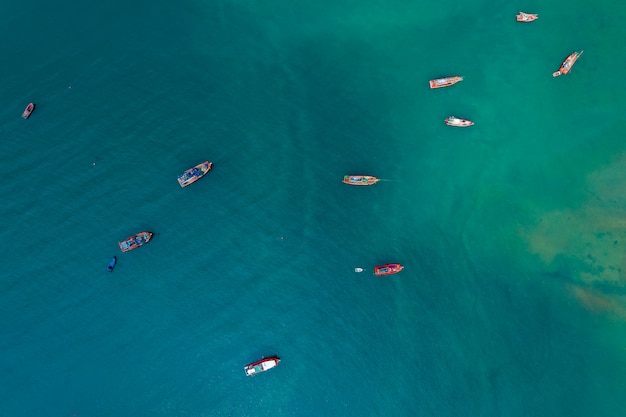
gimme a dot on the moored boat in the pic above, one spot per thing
(526, 17)
(194, 174)
(360, 180)
(567, 65)
(28, 111)
(445, 82)
(112, 264)
(135, 241)
(261, 365)
(455, 121)
(387, 269)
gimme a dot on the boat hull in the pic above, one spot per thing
(261, 365)
(526, 17)
(112, 264)
(194, 174)
(360, 180)
(567, 64)
(135, 241)
(456, 122)
(28, 111)
(387, 269)
(445, 82)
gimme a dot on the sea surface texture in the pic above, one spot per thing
(512, 232)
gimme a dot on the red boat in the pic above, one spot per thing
(261, 365)
(28, 111)
(445, 82)
(387, 269)
(567, 65)
(135, 241)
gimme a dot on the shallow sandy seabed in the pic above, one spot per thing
(590, 240)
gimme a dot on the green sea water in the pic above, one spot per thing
(512, 301)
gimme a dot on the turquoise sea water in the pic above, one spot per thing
(512, 232)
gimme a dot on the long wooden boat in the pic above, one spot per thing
(261, 365)
(28, 111)
(526, 17)
(135, 241)
(387, 269)
(194, 174)
(445, 82)
(567, 65)
(455, 121)
(360, 180)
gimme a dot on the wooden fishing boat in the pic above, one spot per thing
(194, 174)
(455, 121)
(387, 269)
(526, 17)
(359, 180)
(112, 264)
(28, 111)
(445, 82)
(135, 241)
(567, 65)
(261, 365)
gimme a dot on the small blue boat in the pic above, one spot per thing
(112, 264)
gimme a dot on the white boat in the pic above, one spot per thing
(261, 365)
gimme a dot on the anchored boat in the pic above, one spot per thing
(112, 264)
(567, 65)
(360, 180)
(455, 121)
(387, 269)
(135, 241)
(445, 82)
(194, 174)
(261, 365)
(28, 111)
(526, 17)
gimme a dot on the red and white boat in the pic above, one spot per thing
(526, 17)
(567, 65)
(28, 111)
(445, 82)
(387, 269)
(261, 365)
(455, 121)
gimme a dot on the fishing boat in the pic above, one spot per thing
(526, 17)
(455, 121)
(567, 65)
(360, 180)
(445, 82)
(112, 264)
(387, 269)
(194, 174)
(28, 111)
(262, 365)
(135, 241)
